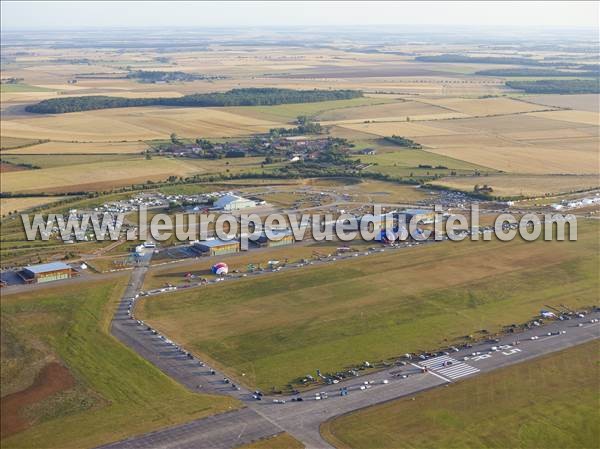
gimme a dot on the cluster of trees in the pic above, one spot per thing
(155, 76)
(575, 86)
(403, 142)
(234, 97)
(482, 189)
(305, 126)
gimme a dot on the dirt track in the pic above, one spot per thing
(52, 379)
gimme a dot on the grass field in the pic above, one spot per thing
(20, 87)
(69, 325)
(279, 441)
(279, 327)
(521, 185)
(546, 403)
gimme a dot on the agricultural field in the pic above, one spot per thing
(20, 204)
(81, 148)
(582, 102)
(66, 381)
(331, 317)
(9, 143)
(392, 111)
(70, 176)
(476, 107)
(529, 186)
(134, 124)
(289, 112)
(540, 404)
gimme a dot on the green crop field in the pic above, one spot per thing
(275, 329)
(115, 393)
(21, 87)
(551, 402)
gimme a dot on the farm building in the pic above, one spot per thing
(47, 272)
(282, 238)
(231, 202)
(217, 247)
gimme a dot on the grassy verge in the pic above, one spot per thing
(117, 394)
(551, 402)
(279, 441)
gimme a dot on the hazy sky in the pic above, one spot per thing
(48, 14)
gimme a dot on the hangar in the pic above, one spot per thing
(282, 238)
(231, 202)
(47, 272)
(217, 247)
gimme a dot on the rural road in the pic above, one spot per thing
(260, 419)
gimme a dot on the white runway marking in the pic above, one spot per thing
(438, 362)
(460, 370)
(448, 367)
(431, 372)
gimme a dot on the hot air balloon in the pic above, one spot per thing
(220, 269)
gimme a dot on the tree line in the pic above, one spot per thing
(234, 97)
(575, 86)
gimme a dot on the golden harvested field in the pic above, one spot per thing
(531, 156)
(81, 148)
(484, 106)
(135, 124)
(530, 185)
(405, 129)
(580, 117)
(381, 111)
(523, 143)
(20, 204)
(582, 102)
(116, 173)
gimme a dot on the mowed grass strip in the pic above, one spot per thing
(118, 393)
(550, 402)
(279, 441)
(275, 329)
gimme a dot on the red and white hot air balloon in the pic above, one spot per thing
(220, 269)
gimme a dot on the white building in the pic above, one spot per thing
(231, 202)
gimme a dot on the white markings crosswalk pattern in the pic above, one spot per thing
(456, 371)
(449, 367)
(438, 362)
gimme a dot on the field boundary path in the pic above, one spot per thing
(302, 419)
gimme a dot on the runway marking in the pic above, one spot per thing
(460, 370)
(438, 361)
(447, 368)
(435, 374)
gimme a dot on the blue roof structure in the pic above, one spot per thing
(217, 242)
(47, 267)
